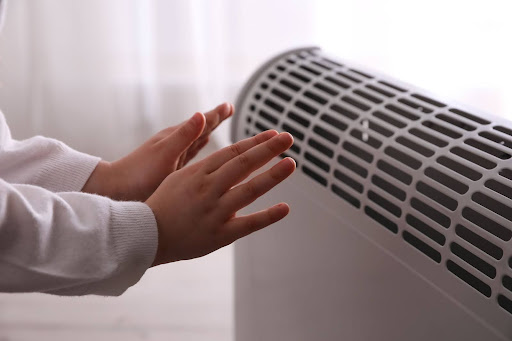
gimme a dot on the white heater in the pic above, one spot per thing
(401, 211)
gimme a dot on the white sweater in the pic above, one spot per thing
(54, 239)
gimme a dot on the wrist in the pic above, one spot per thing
(101, 181)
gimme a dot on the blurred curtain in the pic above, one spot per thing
(104, 75)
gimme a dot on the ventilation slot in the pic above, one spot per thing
(415, 105)
(306, 107)
(299, 119)
(346, 196)
(404, 141)
(459, 168)
(310, 70)
(428, 231)
(487, 224)
(337, 82)
(479, 242)
(352, 166)
(326, 134)
(377, 128)
(500, 188)
(381, 219)
(506, 173)
(290, 85)
(487, 149)
(300, 77)
(365, 75)
(505, 303)
(392, 86)
(394, 172)
(261, 126)
(495, 138)
(347, 180)
(446, 180)
(271, 104)
(360, 153)
(430, 212)
(436, 196)
(317, 98)
(388, 187)
(473, 260)
(493, 205)
(281, 94)
(440, 129)
(322, 65)
(380, 90)
(365, 138)
(422, 246)
(321, 148)
(355, 103)
(503, 130)
(469, 116)
(388, 119)
(428, 138)
(451, 120)
(404, 113)
(402, 157)
(470, 279)
(265, 115)
(429, 100)
(314, 175)
(367, 96)
(296, 133)
(334, 122)
(344, 112)
(326, 89)
(317, 162)
(348, 77)
(507, 282)
(385, 204)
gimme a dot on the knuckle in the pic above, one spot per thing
(235, 149)
(243, 160)
(274, 146)
(250, 189)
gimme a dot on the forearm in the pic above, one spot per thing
(72, 243)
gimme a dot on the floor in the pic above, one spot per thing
(186, 301)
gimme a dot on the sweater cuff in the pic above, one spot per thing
(67, 170)
(134, 236)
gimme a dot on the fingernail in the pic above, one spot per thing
(196, 119)
(292, 161)
(284, 136)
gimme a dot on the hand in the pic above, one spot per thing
(137, 175)
(195, 207)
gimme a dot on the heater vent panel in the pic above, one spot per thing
(435, 175)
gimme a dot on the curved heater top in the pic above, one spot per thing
(437, 176)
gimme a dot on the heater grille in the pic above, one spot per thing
(436, 176)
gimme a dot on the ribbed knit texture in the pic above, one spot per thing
(55, 239)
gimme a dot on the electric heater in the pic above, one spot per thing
(401, 211)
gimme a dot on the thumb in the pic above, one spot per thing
(186, 134)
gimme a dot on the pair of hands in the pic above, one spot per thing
(195, 207)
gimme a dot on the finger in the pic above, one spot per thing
(191, 153)
(244, 194)
(240, 167)
(239, 227)
(185, 134)
(216, 116)
(217, 159)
